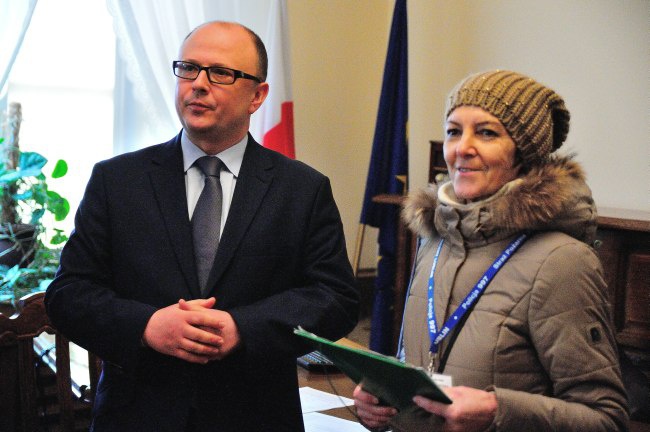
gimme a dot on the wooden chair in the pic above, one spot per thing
(23, 404)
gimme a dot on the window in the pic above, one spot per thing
(64, 77)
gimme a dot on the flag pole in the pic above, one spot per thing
(361, 230)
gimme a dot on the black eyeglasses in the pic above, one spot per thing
(216, 74)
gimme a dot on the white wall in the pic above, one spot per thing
(595, 53)
(338, 49)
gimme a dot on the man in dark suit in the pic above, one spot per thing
(182, 353)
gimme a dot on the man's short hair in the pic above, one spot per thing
(262, 57)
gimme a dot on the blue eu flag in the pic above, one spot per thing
(389, 159)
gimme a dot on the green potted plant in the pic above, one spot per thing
(28, 261)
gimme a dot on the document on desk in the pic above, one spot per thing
(313, 400)
(317, 422)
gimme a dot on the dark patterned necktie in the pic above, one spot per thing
(206, 219)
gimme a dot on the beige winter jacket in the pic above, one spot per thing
(541, 335)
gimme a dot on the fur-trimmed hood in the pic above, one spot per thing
(552, 197)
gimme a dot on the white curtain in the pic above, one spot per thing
(15, 17)
(149, 34)
(279, 74)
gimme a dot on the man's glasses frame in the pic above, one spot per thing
(227, 76)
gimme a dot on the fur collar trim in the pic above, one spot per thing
(553, 196)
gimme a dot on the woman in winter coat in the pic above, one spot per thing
(520, 317)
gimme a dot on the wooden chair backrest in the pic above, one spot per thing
(18, 378)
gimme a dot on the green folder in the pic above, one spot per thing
(393, 382)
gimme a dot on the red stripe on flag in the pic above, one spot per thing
(280, 136)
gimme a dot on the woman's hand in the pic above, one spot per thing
(369, 411)
(472, 411)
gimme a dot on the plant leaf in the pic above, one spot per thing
(58, 205)
(10, 176)
(42, 286)
(31, 163)
(58, 238)
(11, 276)
(60, 169)
(36, 216)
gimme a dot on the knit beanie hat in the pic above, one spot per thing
(533, 114)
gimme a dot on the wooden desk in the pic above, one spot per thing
(343, 386)
(336, 383)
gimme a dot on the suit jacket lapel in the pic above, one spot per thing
(168, 182)
(252, 184)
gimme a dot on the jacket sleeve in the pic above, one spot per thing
(82, 301)
(571, 329)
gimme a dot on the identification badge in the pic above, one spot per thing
(441, 380)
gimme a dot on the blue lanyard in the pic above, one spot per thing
(471, 298)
